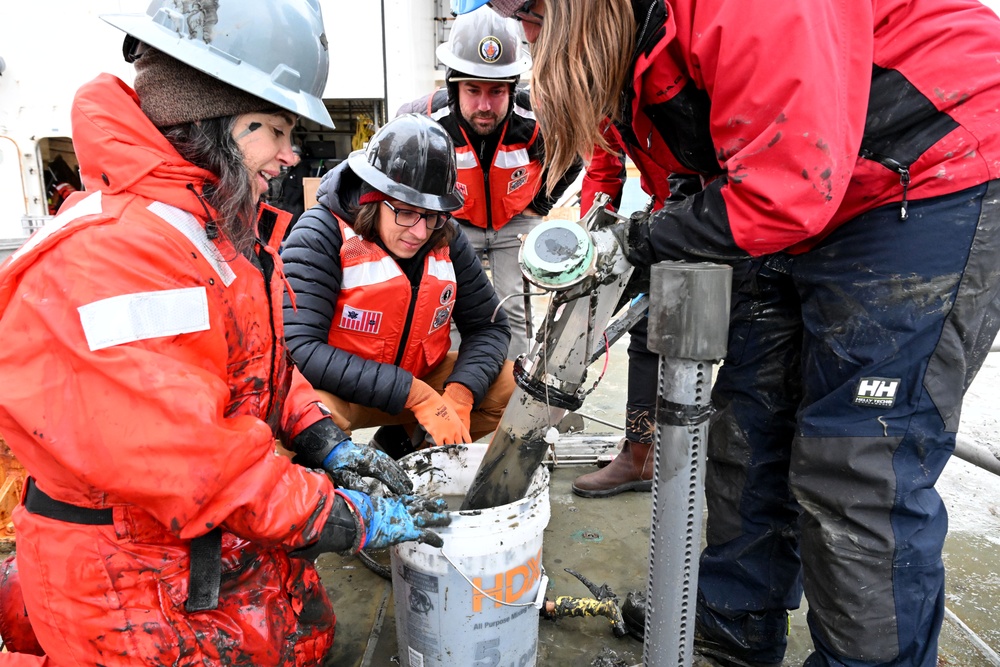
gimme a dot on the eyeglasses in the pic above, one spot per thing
(408, 218)
(523, 13)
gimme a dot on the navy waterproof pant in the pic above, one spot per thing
(836, 410)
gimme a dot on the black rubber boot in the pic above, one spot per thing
(715, 653)
(393, 440)
(634, 614)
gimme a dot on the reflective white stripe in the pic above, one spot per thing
(512, 159)
(441, 269)
(349, 233)
(466, 160)
(370, 273)
(188, 225)
(90, 205)
(131, 317)
(524, 113)
(441, 113)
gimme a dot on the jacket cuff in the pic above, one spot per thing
(314, 443)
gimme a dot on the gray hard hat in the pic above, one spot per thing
(484, 44)
(411, 158)
(274, 49)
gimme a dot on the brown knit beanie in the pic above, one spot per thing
(171, 93)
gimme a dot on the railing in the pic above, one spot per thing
(32, 223)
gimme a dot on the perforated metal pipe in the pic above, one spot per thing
(688, 328)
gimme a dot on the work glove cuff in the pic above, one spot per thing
(419, 392)
(359, 505)
(460, 394)
(315, 443)
(637, 247)
(344, 531)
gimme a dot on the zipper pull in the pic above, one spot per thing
(904, 180)
(903, 171)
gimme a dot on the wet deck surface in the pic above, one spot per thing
(607, 540)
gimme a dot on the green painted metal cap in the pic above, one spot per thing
(556, 254)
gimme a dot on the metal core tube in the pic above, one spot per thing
(688, 328)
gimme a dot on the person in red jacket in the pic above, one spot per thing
(852, 150)
(380, 271)
(146, 380)
(632, 467)
(499, 150)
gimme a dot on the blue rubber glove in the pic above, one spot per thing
(324, 445)
(348, 462)
(391, 520)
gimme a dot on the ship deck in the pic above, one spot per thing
(607, 540)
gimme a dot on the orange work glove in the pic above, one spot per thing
(459, 398)
(436, 415)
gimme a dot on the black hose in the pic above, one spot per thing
(384, 571)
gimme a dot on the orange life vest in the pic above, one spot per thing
(378, 315)
(514, 177)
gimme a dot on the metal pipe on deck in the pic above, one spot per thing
(977, 455)
(688, 328)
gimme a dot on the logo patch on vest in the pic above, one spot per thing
(490, 49)
(876, 392)
(365, 321)
(516, 182)
(447, 294)
(441, 316)
(461, 187)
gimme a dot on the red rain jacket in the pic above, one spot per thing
(803, 115)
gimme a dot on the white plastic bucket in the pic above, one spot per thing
(442, 620)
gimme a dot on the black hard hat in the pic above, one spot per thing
(411, 158)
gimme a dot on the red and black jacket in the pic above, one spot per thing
(791, 145)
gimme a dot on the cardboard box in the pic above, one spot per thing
(564, 213)
(309, 187)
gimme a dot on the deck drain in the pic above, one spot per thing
(588, 536)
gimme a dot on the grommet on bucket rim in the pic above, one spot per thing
(473, 601)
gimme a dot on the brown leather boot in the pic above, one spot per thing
(631, 470)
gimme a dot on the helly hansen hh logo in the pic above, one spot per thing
(876, 392)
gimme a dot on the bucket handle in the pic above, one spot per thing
(543, 584)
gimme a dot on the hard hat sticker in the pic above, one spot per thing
(490, 49)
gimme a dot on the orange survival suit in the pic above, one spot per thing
(145, 382)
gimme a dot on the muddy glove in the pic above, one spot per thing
(460, 400)
(389, 520)
(438, 417)
(633, 239)
(694, 229)
(323, 445)
(359, 521)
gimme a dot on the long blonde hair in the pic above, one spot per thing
(582, 58)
